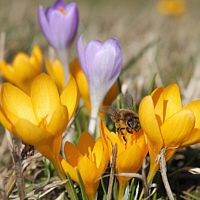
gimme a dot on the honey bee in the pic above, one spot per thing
(125, 119)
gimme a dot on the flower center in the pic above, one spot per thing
(43, 123)
(62, 11)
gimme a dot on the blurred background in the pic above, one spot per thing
(163, 38)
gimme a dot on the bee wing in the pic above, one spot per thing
(109, 110)
(128, 100)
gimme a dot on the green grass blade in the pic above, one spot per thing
(81, 185)
(152, 84)
(191, 195)
(104, 189)
(72, 186)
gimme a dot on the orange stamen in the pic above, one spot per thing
(62, 10)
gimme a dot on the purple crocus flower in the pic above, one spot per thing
(101, 64)
(59, 25)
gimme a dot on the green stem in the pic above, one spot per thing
(122, 186)
(62, 176)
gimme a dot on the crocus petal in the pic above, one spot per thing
(70, 96)
(31, 133)
(104, 162)
(177, 127)
(126, 165)
(98, 151)
(45, 97)
(85, 141)
(192, 138)
(59, 121)
(150, 125)
(51, 149)
(5, 120)
(193, 106)
(17, 102)
(157, 97)
(67, 167)
(85, 165)
(8, 72)
(46, 29)
(172, 101)
(72, 154)
(55, 70)
(36, 60)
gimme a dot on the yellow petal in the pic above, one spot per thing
(23, 68)
(70, 97)
(192, 138)
(71, 171)
(17, 102)
(177, 127)
(45, 97)
(85, 141)
(150, 125)
(32, 134)
(126, 165)
(105, 134)
(102, 166)
(59, 121)
(98, 151)
(141, 141)
(51, 149)
(194, 106)
(172, 101)
(72, 154)
(157, 97)
(8, 72)
(85, 165)
(5, 120)
(55, 70)
(36, 60)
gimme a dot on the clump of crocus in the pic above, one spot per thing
(59, 25)
(101, 64)
(129, 156)
(171, 7)
(23, 70)
(41, 118)
(90, 158)
(168, 125)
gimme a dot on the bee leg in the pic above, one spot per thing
(125, 140)
(129, 130)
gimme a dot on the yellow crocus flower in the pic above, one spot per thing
(90, 157)
(23, 70)
(41, 118)
(129, 156)
(168, 125)
(171, 7)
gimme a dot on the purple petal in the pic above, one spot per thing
(44, 25)
(71, 23)
(59, 3)
(80, 53)
(57, 24)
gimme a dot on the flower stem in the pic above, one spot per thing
(63, 57)
(92, 197)
(122, 186)
(163, 170)
(62, 176)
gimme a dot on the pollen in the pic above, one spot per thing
(62, 10)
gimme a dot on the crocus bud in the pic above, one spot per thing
(101, 64)
(59, 25)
